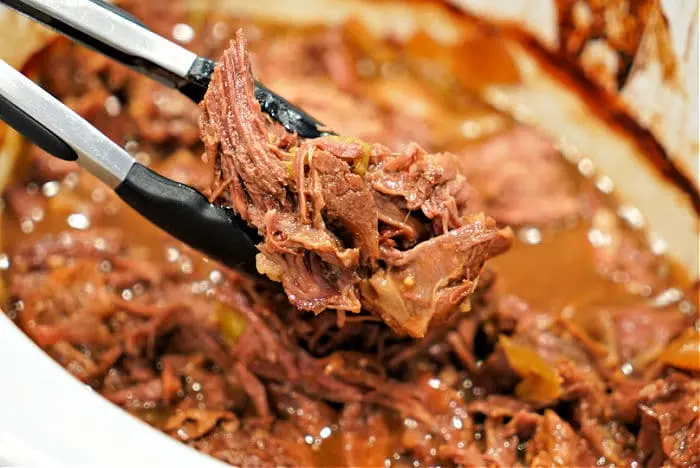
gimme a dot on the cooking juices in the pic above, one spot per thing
(576, 347)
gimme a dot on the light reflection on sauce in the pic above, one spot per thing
(557, 272)
(560, 272)
(551, 272)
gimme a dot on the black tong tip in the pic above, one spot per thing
(187, 215)
(293, 119)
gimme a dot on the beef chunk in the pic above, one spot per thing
(314, 201)
(436, 276)
(522, 179)
(643, 331)
(257, 447)
(670, 427)
(556, 444)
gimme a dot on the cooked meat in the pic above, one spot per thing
(314, 203)
(225, 364)
(522, 179)
(430, 280)
(642, 332)
(556, 444)
(670, 425)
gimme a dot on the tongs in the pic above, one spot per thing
(118, 35)
(176, 208)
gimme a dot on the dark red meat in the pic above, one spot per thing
(314, 203)
(225, 364)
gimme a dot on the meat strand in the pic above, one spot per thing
(315, 203)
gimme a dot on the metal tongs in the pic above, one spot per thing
(176, 208)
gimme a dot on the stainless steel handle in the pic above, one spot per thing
(114, 34)
(41, 115)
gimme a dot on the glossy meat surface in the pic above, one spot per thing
(577, 347)
(313, 201)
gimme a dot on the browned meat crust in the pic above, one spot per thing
(412, 258)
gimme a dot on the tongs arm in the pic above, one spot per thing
(176, 208)
(118, 35)
(114, 33)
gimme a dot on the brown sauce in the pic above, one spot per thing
(552, 269)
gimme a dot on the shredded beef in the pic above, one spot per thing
(223, 363)
(314, 203)
(522, 179)
(670, 425)
(555, 443)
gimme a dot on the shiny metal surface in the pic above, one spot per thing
(120, 33)
(96, 153)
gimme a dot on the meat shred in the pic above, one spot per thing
(314, 202)
(224, 363)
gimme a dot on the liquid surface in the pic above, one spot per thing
(558, 270)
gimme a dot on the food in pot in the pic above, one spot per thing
(577, 347)
(346, 224)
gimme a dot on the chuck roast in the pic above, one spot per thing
(346, 224)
